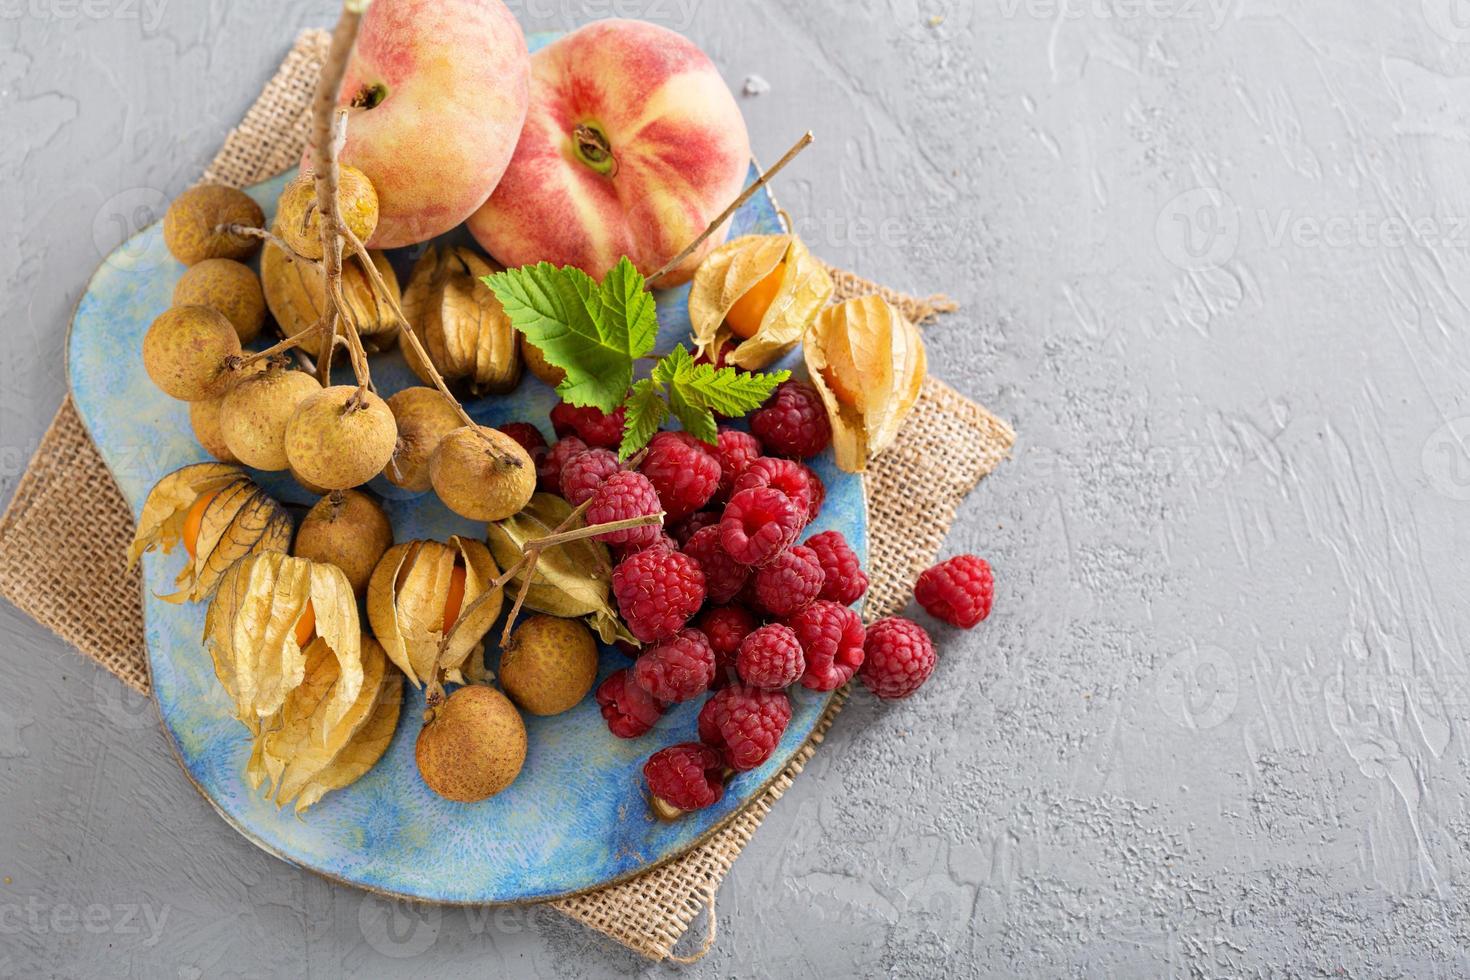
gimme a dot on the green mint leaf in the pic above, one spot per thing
(630, 308)
(646, 411)
(728, 391)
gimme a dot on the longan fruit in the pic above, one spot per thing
(482, 474)
(190, 223)
(424, 417)
(347, 529)
(256, 411)
(473, 747)
(340, 437)
(296, 212)
(187, 349)
(227, 286)
(204, 420)
(549, 664)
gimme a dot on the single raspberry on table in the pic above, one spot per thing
(725, 627)
(684, 530)
(629, 710)
(678, 668)
(683, 471)
(549, 467)
(831, 637)
(658, 590)
(621, 496)
(770, 658)
(735, 450)
(958, 591)
(789, 582)
(793, 421)
(758, 524)
(843, 579)
(688, 776)
(744, 723)
(898, 658)
(585, 472)
(724, 577)
(530, 437)
(590, 424)
(786, 475)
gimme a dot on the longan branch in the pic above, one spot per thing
(249, 231)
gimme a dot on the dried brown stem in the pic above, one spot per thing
(250, 231)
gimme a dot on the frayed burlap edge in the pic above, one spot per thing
(78, 585)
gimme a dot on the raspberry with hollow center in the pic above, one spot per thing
(683, 471)
(758, 524)
(657, 591)
(786, 475)
(724, 577)
(771, 658)
(591, 424)
(677, 669)
(958, 591)
(687, 776)
(735, 450)
(831, 637)
(793, 421)
(789, 582)
(585, 472)
(898, 658)
(621, 496)
(629, 710)
(843, 579)
(744, 723)
(549, 467)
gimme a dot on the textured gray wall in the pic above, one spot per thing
(1212, 257)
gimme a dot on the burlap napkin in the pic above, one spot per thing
(53, 574)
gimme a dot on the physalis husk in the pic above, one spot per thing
(294, 291)
(461, 323)
(759, 292)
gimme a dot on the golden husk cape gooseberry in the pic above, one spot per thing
(482, 474)
(463, 327)
(294, 291)
(218, 514)
(228, 286)
(340, 437)
(760, 292)
(424, 417)
(187, 352)
(347, 529)
(549, 664)
(190, 224)
(297, 218)
(256, 411)
(473, 745)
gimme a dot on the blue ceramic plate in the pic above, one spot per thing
(575, 819)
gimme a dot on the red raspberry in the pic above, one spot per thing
(688, 776)
(786, 475)
(831, 637)
(725, 627)
(530, 437)
(591, 424)
(585, 472)
(684, 530)
(735, 450)
(677, 669)
(819, 491)
(843, 579)
(771, 658)
(630, 711)
(724, 577)
(790, 582)
(958, 591)
(623, 495)
(898, 658)
(549, 467)
(628, 551)
(682, 470)
(793, 421)
(744, 723)
(758, 524)
(657, 591)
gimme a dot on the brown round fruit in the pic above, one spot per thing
(473, 747)
(187, 351)
(347, 529)
(424, 417)
(190, 224)
(204, 420)
(549, 664)
(255, 413)
(227, 286)
(538, 365)
(482, 474)
(340, 437)
(296, 212)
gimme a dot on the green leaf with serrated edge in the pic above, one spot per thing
(727, 391)
(562, 312)
(696, 418)
(632, 316)
(673, 364)
(646, 411)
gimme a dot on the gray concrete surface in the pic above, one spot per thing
(1212, 256)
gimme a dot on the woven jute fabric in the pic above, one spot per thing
(78, 585)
